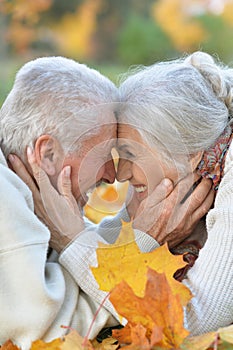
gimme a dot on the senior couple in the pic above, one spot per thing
(171, 125)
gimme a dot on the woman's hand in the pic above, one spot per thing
(59, 211)
(169, 214)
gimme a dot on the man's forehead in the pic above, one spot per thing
(102, 135)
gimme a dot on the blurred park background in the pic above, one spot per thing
(111, 35)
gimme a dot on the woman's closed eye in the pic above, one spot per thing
(126, 154)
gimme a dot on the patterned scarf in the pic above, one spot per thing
(212, 167)
(213, 160)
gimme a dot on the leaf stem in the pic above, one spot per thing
(85, 340)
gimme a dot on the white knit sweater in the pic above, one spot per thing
(38, 295)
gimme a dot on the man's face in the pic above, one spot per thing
(92, 163)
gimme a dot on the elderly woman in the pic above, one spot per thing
(175, 120)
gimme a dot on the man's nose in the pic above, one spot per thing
(124, 171)
(109, 175)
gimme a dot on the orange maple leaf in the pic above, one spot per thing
(158, 311)
(123, 260)
(8, 345)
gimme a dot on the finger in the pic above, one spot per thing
(19, 168)
(200, 194)
(161, 191)
(186, 186)
(65, 188)
(64, 182)
(38, 173)
(204, 207)
(149, 211)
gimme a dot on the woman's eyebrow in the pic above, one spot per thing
(123, 147)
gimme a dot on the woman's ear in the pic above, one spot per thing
(195, 159)
(49, 153)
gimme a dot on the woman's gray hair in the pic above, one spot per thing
(181, 106)
(55, 96)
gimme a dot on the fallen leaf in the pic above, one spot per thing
(139, 339)
(123, 260)
(226, 334)
(41, 345)
(223, 346)
(200, 342)
(106, 344)
(74, 341)
(8, 345)
(157, 308)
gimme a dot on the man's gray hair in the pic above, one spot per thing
(180, 107)
(55, 96)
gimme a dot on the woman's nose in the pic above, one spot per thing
(124, 172)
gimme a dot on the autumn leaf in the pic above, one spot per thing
(106, 344)
(74, 341)
(158, 311)
(123, 260)
(41, 345)
(8, 345)
(139, 339)
(105, 200)
(226, 334)
(200, 342)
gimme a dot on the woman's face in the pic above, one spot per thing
(139, 163)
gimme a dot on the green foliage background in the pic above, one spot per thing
(126, 34)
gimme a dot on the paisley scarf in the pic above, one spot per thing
(213, 160)
(211, 166)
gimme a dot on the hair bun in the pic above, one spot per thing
(199, 59)
(213, 74)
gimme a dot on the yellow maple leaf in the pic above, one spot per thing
(123, 260)
(41, 345)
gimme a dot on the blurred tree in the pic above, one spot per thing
(218, 40)
(61, 7)
(227, 13)
(74, 32)
(21, 17)
(110, 19)
(141, 41)
(179, 23)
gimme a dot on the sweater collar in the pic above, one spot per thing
(2, 159)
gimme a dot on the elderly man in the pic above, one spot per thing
(64, 111)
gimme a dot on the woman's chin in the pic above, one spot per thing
(141, 195)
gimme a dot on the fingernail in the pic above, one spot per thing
(67, 171)
(11, 158)
(167, 183)
(29, 151)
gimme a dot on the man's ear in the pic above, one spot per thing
(48, 152)
(195, 159)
